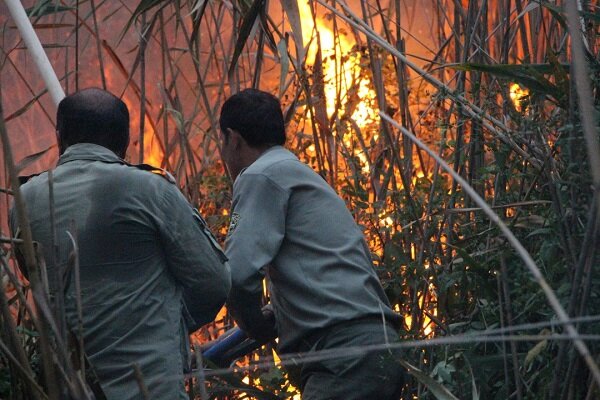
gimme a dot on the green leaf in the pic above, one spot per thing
(247, 25)
(438, 390)
(26, 107)
(593, 16)
(444, 371)
(541, 231)
(285, 64)
(528, 75)
(197, 12)
(293, 13)
(28, 332)
(556, 12)
(534, 352)
(25, 162)
(474, 392)
(466, 258)
(144, 6)
(394, 254)
(46, 7)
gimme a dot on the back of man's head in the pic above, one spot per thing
(256, 116)
(93, 116)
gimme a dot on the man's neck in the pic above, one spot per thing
(248, 156)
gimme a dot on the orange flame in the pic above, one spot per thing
(344, 82)
(341, 68)
(153, 154)
(519, 96)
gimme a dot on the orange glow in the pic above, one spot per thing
(348, 94)
(341, 69)
(291, 388)
(408, 321)
(519, 96)
(427, 325)
(153, 154)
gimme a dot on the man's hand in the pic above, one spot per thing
(258, 323)
(263, 330)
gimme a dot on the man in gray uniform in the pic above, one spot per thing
(150, 270)
(287, 223)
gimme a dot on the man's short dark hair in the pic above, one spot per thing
(93, 116)
(256, 116)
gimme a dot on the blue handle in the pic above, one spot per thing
(226, 342)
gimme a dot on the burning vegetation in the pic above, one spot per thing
(488, 86)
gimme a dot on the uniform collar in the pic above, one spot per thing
(272, 149)
(264, 155)
(90, 152)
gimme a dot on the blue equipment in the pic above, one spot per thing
(230, 346)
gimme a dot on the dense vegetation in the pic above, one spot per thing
(495, 89)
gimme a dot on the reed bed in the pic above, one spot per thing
(462, 134)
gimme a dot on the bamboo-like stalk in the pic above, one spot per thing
(509, 320)
(587, 112)
(76, 386)
(74, 266)
(295, 359)
(24, 371)
(393, 144)
(98, 45)
(19, 360)
(30, 262)
(76, 50)
(577, 289)
(142, 57)
(502, 325)
(201, 376)
(35, 48)
(57, 277)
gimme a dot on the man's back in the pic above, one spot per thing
(139, 250)
(320, 269)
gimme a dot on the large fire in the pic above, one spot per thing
(342, 79)
(342, 68)
(341, 75)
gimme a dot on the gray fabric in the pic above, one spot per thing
(141, 251)
(288, 223)
(374, 375)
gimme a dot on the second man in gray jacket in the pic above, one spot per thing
(289, 225)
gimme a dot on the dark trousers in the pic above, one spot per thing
(374, 375)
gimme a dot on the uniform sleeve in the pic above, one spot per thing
(255, 234)
(194, 258)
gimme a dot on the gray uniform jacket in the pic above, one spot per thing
(288, 223)
(142, 250)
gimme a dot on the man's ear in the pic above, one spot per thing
(61, 148)
(237, 141)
